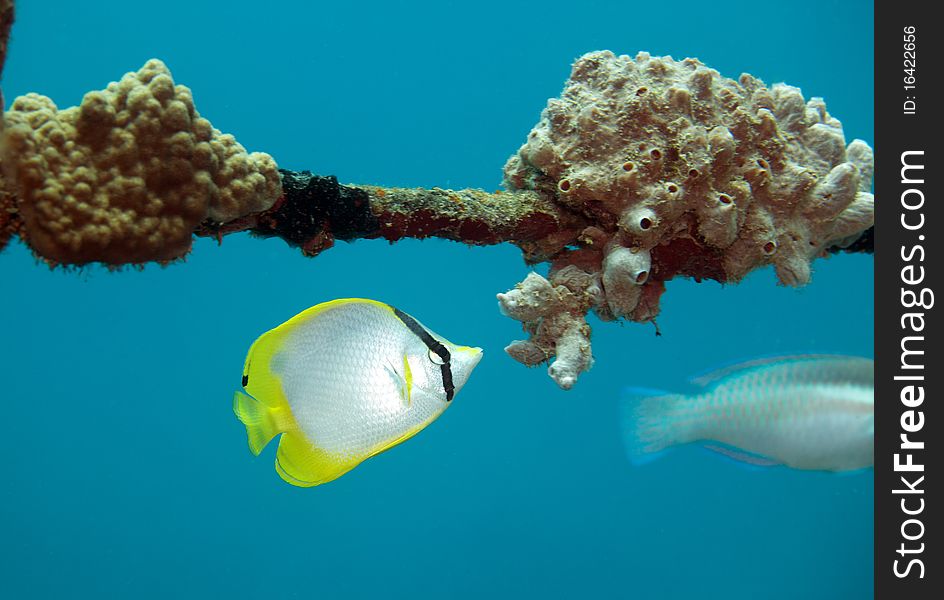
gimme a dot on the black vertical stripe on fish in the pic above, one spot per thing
(434, 346)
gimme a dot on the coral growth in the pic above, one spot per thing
(8, 220)
(6, 22)
(553, 314)
(129, 174)
(682, 172)
(643, 170)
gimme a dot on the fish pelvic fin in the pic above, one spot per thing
(263, 422)
(396, 441)
(741, 456)
(653, 421)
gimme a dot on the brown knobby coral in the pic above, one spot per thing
(127, 176)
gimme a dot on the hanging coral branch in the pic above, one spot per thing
(644, 170)
(7, 202)
(6, 22)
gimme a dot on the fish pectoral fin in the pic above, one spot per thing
(407, 381)
(302, 464)
(404, 381)
(742, 456)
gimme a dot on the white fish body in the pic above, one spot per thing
(343, 381)
(807, 412)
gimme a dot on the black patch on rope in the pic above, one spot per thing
(434, 346)
(316, 205)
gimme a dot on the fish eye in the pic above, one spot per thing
(434, 358)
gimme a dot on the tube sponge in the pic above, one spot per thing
(669, 149)
(625, 271)
(129, 174)
(680, 171)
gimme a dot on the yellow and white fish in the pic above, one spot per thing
(807, 412)
(344, 381)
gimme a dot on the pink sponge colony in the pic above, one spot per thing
(681, 172)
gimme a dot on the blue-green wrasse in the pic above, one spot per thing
(807, 412)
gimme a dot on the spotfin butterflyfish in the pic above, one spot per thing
(811, 412)
(344, 381)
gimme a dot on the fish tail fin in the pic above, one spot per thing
(260, 420)
(652, 421)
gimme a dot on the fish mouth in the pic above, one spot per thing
(472, 351)
(465, 359)
(475, 353)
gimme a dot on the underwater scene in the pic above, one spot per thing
(637, 283)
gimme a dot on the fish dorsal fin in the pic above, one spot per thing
(318, 309)
(742, 456)
(706, 379)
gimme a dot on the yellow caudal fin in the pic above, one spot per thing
(262, 422)
(300, 463)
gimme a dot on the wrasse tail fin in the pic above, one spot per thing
(260, 420)
(650, 422)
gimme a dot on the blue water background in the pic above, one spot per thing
(126, 475)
